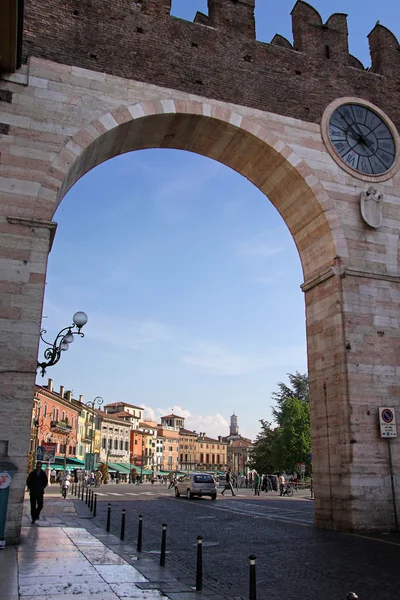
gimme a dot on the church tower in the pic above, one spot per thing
(234, 426)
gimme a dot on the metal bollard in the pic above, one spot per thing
(199, 566)
(108, 517)
(95, 505)
(253, 591)
(140, 534)
(79, 490)
(163, 544)
(122, 536)
(91, 501)
(86, 495)
(88, 500)
(83, 491)
(351, 596)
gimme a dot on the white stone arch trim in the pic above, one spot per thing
(60, 176)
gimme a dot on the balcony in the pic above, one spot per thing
(60, 427)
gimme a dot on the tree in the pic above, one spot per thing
(292, 440)
(261, 454)
(298, 389)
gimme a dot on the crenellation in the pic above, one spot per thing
(385, 51)
(237, 18)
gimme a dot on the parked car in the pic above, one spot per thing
(196, 484)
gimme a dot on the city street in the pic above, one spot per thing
(294, 560)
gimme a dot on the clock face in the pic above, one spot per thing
(362, 139)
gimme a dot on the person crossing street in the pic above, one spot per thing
(228, 483)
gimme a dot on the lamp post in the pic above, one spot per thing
(64, 338)
(91, 404)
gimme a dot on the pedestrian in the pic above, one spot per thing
(228, 483)
(282, 482)
(256, 483)
(173, 482)
(53, 476)
(36, 482)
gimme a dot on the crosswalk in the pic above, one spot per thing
(133, 494)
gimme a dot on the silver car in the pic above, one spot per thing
(196, 484)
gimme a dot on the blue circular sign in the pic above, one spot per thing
(387, 415)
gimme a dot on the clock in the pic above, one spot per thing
(362, 139)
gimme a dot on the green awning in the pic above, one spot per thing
(73, 462)
(121, 468)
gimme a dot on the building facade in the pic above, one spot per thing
(115, 439)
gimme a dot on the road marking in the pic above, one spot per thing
(114, 494)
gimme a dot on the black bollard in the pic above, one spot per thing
(140, 534)
(86, 495)
(122, 536)
(108, 517)
(253, 591)
(163, 544)
(199, 567)
(351, 596)
(95, 505)
(83, 491)
(92, 501)
(79, 490)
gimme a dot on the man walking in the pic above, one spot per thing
(228, 483)
(36, 482)
(282, 482)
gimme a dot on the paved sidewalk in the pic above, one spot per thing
(65, 556)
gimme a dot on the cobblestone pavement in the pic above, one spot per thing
(294, 560)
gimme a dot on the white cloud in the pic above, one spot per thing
(216, 360)
(118, 330)
(258, 249)
(213, 425)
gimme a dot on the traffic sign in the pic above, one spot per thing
(387, 422)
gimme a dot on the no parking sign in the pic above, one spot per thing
(387, 422)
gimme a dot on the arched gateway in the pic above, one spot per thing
(306, 124)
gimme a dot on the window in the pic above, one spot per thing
(104, 443)
(135, 442)
(203, 479)
(110, 444)
(70, 450)
(115, 444)
(45, 410)
(181, 457)
(126, 446)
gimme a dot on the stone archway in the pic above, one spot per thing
(253, 150)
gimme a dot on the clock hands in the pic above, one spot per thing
(358, 136)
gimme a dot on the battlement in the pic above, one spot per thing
(217, 55)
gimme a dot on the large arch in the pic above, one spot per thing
(220, 133)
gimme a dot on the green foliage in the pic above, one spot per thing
(261, 454)
(298, 389)
(292, 443)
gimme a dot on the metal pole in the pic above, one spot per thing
(351, 596)
(86, 495)
(163, 544)
(79, 490)
(95, 505)
(140, 534)
(108, 517)
(199, 566)
(253, 591)
(91, 500)
(122, 536)
(83, 491)
(396, 521)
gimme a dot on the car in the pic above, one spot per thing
(222, 480)
(196, 484)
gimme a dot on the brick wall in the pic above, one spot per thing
(217, 56)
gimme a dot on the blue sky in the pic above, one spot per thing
(188, 274)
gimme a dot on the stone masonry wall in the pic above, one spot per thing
(217, 56)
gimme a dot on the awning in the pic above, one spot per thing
(72, 462)
(121, 468)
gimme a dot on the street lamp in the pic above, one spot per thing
(63, 339)
(99, 401)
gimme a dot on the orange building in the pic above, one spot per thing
(168, 431)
